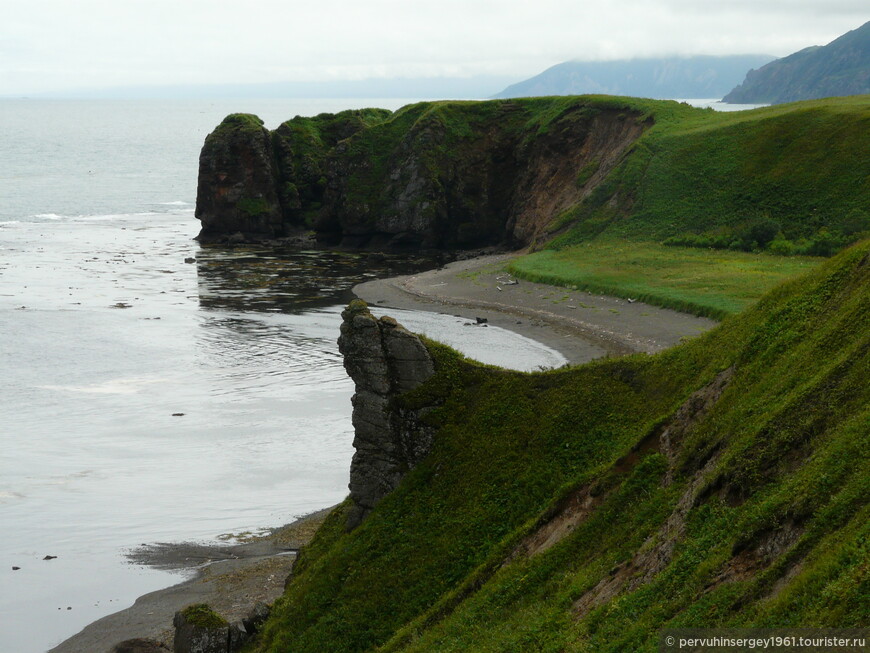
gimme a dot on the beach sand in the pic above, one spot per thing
(581, 326)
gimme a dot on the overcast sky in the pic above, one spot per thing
(50, 45)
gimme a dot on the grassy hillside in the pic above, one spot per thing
(701, 282)
(722, 482)
(791, 179)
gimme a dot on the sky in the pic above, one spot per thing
(57, 45)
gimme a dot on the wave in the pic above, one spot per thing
(176, 203)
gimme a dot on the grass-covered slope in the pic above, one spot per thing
(702, 282)
(790, 179)
(723, 482)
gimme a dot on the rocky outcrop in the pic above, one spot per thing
(385, 361)
(435, 175)
(237, 188)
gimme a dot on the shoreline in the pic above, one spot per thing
(233, 579)
(581, 326)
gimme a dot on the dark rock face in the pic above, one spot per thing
(431, 176)
(139, 646)
(198, 629)
(385, 361)
(236, 191)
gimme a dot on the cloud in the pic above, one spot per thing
(58, 44)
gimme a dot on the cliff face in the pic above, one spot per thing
(237, 181)
(384, 361)
(432, 175)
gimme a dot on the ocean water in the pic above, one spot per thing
(144, 399)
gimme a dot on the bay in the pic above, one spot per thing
(147, 399)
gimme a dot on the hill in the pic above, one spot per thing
(840, 68)
(663, 78)
(790, 179)
(721, 483)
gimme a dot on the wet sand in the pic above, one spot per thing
(581, 326)
(232, 579)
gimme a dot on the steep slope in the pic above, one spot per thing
(791, 178)
(840, 68)
(432, 175)
(723, 482)
(664, 78)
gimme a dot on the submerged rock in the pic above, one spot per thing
(385, 361)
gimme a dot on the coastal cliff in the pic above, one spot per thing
(434, 175)
(717, 484)
(544, 172)
(385, 361)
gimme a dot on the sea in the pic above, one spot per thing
(152, 390)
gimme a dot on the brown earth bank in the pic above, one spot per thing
(233, 579)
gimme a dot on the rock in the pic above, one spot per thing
(190, 259)
(468, 183)
(237, 187)
(49, 557)
(256, 617)
(139, 645)
(199, 629)
(385, 361)
(481, 320)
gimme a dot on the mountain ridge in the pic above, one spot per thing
(842, 67)
(700, 76)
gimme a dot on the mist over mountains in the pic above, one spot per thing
(840, 68)
(659, 78)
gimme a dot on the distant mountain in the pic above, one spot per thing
(664, 78)
(840, 68)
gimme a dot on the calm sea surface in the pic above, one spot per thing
(144, 399)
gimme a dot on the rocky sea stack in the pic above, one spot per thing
(385, 361)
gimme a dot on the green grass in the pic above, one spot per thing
(709, 283)
(724, 178)
(764, 497)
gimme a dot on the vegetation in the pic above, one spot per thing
(302, 145)
(201, 615)
(791, 179)
(720, 483)
(712, 284)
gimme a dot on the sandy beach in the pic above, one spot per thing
(581, 326)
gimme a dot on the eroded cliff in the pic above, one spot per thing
(385, 361)
(431, 175)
